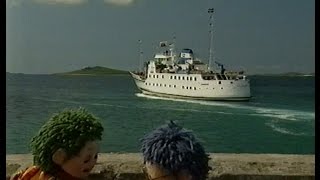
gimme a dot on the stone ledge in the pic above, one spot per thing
(225, 166)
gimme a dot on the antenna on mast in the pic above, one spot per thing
(210, 11)
(140, 55)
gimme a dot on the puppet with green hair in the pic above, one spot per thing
(65, 148)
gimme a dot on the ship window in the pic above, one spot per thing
(170, 77)
(179, 77)
(182, 87)
(175, 77)
(190, 88)
(195, 79)
(160, 85)
(190, 78)
(154, 76)
(182, 77)
(149, 84)
(153, 84)
(219, 82)
(221, 87)
(169, 85)
(149, 76)
(146, 83)
(195, 88)
(157, 76)
(157, 84)
(231, 82)
(187, 87)
(174, 86)
(162, 76)
(187, 78)
(165, 85)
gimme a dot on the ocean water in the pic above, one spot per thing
(280, 117)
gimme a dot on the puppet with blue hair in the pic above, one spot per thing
(172, 152)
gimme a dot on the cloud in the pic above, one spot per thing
(13, 3)
(120, 2)
(66, 2)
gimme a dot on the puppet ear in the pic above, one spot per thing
(155, 170)
(59, 156)
(184, 175)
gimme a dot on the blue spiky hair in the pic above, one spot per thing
(175, 148)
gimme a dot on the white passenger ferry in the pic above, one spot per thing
(185, 76)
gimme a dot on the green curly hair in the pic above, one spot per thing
(70, 129)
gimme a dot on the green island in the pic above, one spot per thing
(99, 70)
(95, 71)
(290, 74)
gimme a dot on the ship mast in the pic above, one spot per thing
(173, 46)
(140, 56)
(210, 11)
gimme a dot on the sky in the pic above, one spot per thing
(257, 36)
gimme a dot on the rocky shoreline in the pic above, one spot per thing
(225, 166)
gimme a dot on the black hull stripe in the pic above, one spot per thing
(197, 98)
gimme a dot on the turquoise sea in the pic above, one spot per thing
(280, 118)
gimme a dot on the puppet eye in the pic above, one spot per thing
(87, 159)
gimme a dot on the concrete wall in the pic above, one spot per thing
(225, 166)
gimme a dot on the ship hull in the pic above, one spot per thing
(178, 87)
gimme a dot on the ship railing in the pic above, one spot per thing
(140, 74)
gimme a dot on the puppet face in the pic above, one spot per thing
(155, 172)
(80, 165)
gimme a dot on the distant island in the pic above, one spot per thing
(95, 71)
(297, 74)
(99, 70)
(286, 74)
